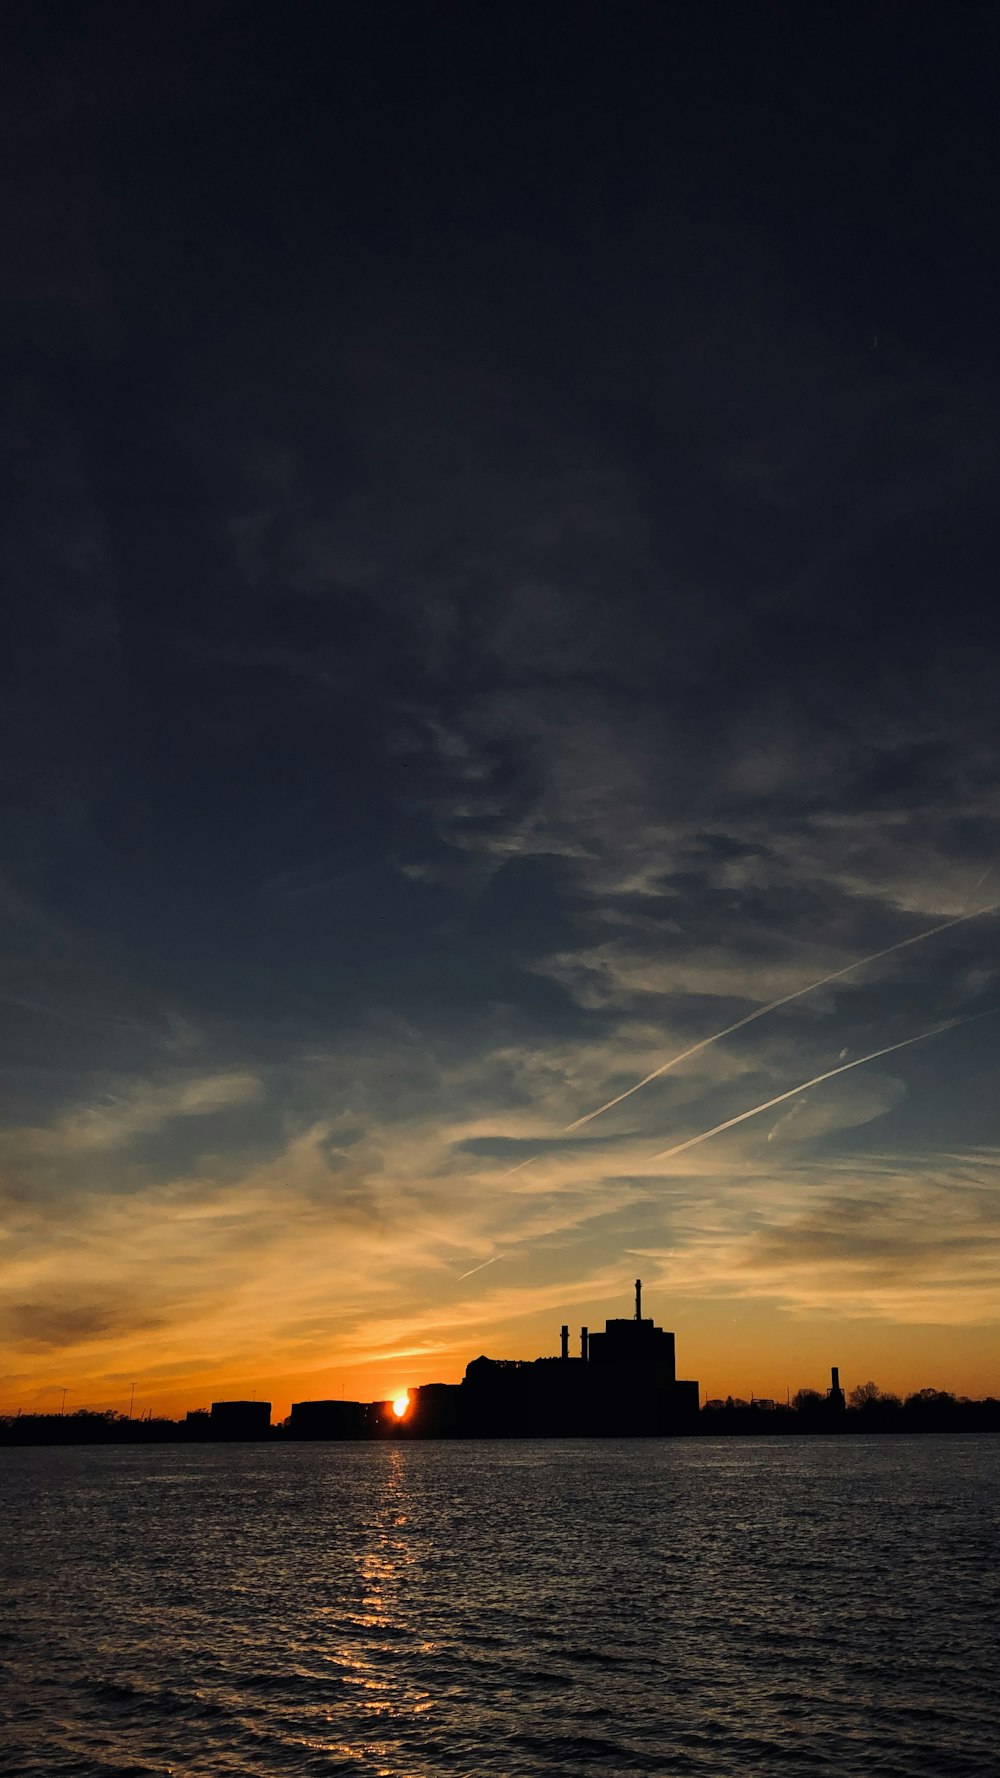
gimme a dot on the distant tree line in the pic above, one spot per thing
(867, 1408)
(88, 1426)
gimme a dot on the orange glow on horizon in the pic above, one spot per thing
(400, 1404)
(732, 1345)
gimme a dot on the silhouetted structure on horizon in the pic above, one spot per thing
(240, 1419)
(623, 1384)
(328, 1419)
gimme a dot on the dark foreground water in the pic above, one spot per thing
(716, 1607)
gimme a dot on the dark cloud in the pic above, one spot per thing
(56, 1326)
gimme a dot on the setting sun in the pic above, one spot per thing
(400, 1405)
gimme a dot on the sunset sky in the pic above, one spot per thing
(500, 551)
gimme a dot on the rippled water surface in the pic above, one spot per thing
(800, 1606)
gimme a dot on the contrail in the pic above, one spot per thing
(761, 1012)
(482, 1268)
(772, 1006)
(977, 885)
(666, 1154)
(512, 1170)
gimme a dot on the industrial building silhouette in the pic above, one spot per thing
(623, 1383)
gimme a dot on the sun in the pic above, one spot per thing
(400, 1404)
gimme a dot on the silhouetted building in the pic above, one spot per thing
(327, 1419)
(835, 1396)
(434, 1412)
(240, 1419)
(635, 1345)
(633, 1375)
(624, 1382)
(381, 1420)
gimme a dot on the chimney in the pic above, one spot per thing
(584, 1344)
(638, 1299)
(564, 1340)
(835, 1379)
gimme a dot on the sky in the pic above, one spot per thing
(500, 558)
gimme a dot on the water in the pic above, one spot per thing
(415, 1610)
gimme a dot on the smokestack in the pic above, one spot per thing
(584, 1344)
(638, 1299)
(835, 1379)
(564, 1339)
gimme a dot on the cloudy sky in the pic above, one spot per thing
(500, 579)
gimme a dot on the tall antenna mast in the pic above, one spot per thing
(638, 1299)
